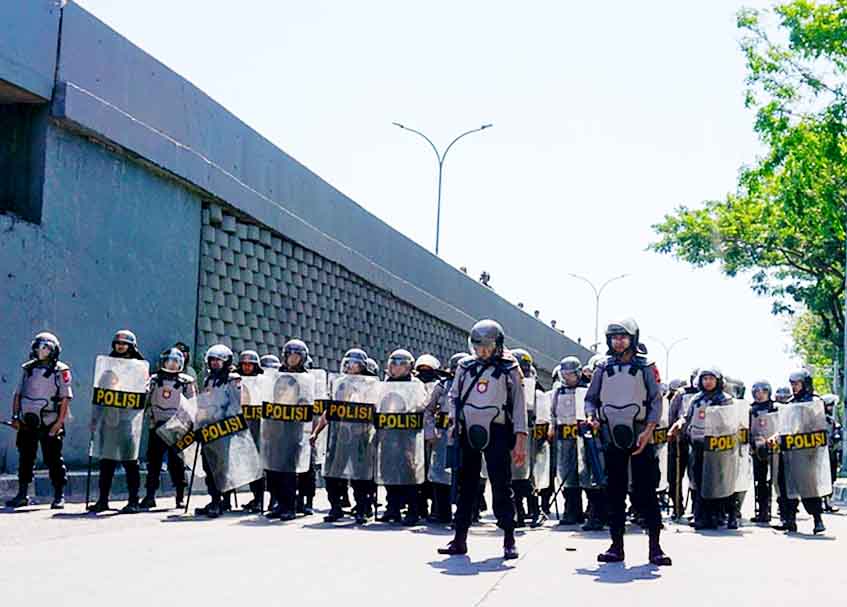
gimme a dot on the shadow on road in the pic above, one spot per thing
(463, 566)
(618, 573)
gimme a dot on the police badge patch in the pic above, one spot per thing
(482, 386)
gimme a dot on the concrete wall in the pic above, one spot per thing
(149, 193)
(117, 247)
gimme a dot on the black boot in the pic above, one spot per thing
(520, 514)
(21, 499)
(132, 506)
(828, 507)
(308, 510)
(335, 514)
(615, 553)
(732, 520)
(819, 526)
(510, 549)
(301, 505)
(101, 505)
(657, 555)
(459, 544)
(537, 517)
(789, 524)
(58, 499)
(148, 502)
(180, 496)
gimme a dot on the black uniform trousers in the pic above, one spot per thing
(761, 486)
(283, 488)
(441, 503)
(643, 465)
(336, 490)
(211, 486)
(107, 474)
(498, 456)
(812, 505)
(156, 451)
(27, 442)
(306, 483)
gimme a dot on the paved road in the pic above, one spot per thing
(69, 558)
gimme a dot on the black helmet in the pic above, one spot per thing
(627, 326)
(802, 375)
(487, 333)
(402, 358)
(570, 364)
(762, 385)
(714, 372)
(270, 361)
(371, 367)
(456, 359)
(354, 356)
(220, 352)
(46, 339)
(525, 361)
(251, 357)
(125, 336)
(295, 346)
(782, 394)
(171, 355)
(676, 384)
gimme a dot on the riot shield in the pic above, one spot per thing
(744, 477)
(286, 414)
(803, 445)
(567, 433)
(399, 433)
(117, 417)
(254, 392)
(720, 452)
(540, 452)
(350, 412)
(439, 471)
(177, 433)
(321, 398)
(228, 448)
(529, 392)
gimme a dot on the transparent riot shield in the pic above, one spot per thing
(117, 417)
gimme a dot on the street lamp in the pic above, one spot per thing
(597, 294)
(668, 349)
(441, 156)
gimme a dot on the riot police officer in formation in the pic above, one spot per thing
(125, 346)
(163, 400)
(39, 408)
(476, 414)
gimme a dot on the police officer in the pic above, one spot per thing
(678, 445)
(762, 405)
(400, 366)
(186, 355)
(563, 420)
(834, 440)
(354, 362)
(124, 345)
(427, 370)
(39, 409)
(291, 492)
(522, 488)
(802, 391)
(707, 512)
(270, 361)
(296, 359)
(163, 398)
(624, 401)
(546, 495)
(488, 401)
(783, 394)
(222, 380)
(437, 419)
(250, 365)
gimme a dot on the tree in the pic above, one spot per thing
(785, 223)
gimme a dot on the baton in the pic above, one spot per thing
(677, 488)
(88, 474)
(191, 482)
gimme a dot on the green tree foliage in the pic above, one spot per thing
(785, 223)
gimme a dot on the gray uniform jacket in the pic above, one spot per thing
(508, 386)
(654, 395)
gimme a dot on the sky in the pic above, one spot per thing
(606, 117)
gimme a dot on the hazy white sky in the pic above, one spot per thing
(606, 116)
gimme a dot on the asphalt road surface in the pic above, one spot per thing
(162, 557)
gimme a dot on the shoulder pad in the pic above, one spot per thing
(468, 363)
(29, 364)
(185, 378)
(507, 364)
(60, 366)
(641, 361)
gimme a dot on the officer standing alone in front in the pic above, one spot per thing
(488, 401)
